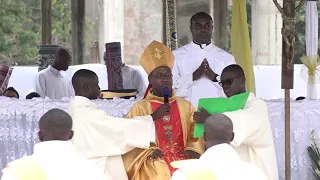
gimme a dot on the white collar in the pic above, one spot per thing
(220, 153)
(83, 101)
(48, 147)
(201, 46)
(54, 71)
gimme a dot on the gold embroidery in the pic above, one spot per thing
(168, 131)
(157, 53)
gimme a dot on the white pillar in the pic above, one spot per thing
(111, 24)
(266, 41)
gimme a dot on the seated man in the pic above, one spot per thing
(54, 157)
(220, 158)
(253, 136)
(173, 118)
(11, 92)
(100, 137)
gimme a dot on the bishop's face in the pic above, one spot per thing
(160, 78)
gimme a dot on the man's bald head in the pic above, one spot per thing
(86, 83)
(62, 59)
(55, 124)
(218, 130)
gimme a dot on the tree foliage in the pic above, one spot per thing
(20, 29)
(300, 47)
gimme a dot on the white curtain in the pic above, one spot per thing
(311, 71)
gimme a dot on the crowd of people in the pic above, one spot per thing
(155, 141)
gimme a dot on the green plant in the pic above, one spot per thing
(314, 154)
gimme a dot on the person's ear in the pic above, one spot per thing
(40, 136)
(86, 88)
(232, 137)
(71, 134)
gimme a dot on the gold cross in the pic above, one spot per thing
(158, 53)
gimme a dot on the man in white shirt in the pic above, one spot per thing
(253, 139)
(50, 82)
(132, 79)
(199, 63)
(54, 158)
(102, 138)
(220, 158)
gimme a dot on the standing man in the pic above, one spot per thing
(199, 64)
(102, 138)
(55, 156)
(50, 82)
(173, 117)
(253, 138)
(132, 79)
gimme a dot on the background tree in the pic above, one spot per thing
(20, 30)
(300, 47)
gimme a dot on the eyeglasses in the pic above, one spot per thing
(228, 81)
(163, 76)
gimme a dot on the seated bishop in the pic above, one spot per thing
(102, 138)
(173, 118)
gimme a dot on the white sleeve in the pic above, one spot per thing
(39, 85)
(249, 123)
(178, 175)
(139, 82)
(7, 175)
(153, 131)
(181, 83)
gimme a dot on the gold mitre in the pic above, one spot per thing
(156, 55)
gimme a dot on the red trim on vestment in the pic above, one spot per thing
(170, 135)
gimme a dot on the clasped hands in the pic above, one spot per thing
(204, 68)
(157, 154)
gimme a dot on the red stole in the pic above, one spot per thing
(170, 135)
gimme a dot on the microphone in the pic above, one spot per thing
(166, 94)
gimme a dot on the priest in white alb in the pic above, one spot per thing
(198, 64)
(55, 157)
(253, 138)
(50, 82)
(220, 161)
(102, 138)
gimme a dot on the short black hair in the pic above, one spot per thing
(200, 15)
(32, 95)
(62, 52)
(234, 68)
(11, 89)
(82, 74)
(55, 122)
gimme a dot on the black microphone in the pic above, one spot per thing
(166, 94)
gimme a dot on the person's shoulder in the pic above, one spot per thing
(181, 51)
(184, 102)
(222, 52)
(42, 74)
(141, 103)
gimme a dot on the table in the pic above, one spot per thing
(266, 78)
(19, 118)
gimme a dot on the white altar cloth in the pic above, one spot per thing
(268, 81)
(19, 118)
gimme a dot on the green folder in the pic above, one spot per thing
(219, 105)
